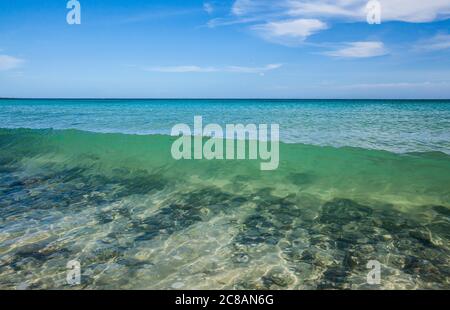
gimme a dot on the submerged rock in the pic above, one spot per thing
(342, 211)
(279, 277)
(442, 210)
(177, 285)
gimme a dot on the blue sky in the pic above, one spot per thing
(225, 49)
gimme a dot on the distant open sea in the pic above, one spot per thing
(94, 181)
(396, 126)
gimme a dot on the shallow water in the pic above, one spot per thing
(136, 218)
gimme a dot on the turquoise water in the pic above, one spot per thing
(396, 126)
(357, 181)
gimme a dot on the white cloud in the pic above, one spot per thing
(436, 43)
(208, 7)
(216, 22)
(277, 18)
(198, 69)
(291, 22)
(360, 50)
(323, 8)
(414, 11)
(181, 69)
(246, 7)
(396, 85)
(240, 69)
(145, 16)
(241, 7)
(251, 11)
(290, 31)
(9, 62)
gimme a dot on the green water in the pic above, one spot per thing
(136, 218)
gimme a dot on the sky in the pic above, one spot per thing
(225, 49)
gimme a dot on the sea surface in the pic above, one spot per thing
(94, 181)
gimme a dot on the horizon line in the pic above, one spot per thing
(219, 98)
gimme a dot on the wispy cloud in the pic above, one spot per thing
(327, 9)
(360, 50)
(239, 69)
(250, 11)
(181, 69)
(396, 85)
(216, 22)
(436, 43)
(260, 7)
(199, 69)
(153, 15)
(413, 11)
(289, 31)
(277, 20)
(208, 7)
(9, 62)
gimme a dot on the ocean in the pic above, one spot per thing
(94, 181)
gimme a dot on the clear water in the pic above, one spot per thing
(396, 126)
(136, 218)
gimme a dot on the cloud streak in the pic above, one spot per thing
(360, 50)
(293, 21)
(199, 69)
(239, 69)
(208, 7)
(397, 85)
(290, 31)
(181, 69)
(437, 43)
(413, 11)
(9, 62)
